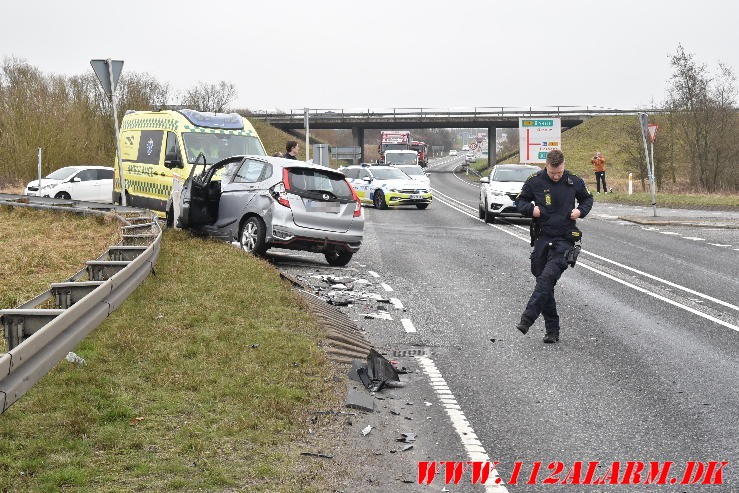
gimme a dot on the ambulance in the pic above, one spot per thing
(159, 149)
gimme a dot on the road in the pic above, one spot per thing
(648, 362)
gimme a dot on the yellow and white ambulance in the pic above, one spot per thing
(159, 148)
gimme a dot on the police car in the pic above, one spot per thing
(384, 186)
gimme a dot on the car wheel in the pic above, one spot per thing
(489, 216)
(422, 206)
(480, 211)
(338, 258)
(379, 200)
(252, 236)
(63, 195)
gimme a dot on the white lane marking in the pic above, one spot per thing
(386, 287)
(408, 325)
(468, 437)
(694, 238)
(719, 245)
(669, 233)
(625, 283)
(373, 273)
(397, 303)
(623, 266)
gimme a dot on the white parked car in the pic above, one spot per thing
(88, 183)
(498, 192)
(470, 158)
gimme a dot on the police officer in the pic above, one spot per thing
(553, 192)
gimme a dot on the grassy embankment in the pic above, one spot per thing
(173, 395)
(605, 134)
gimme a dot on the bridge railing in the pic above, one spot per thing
(416, 113)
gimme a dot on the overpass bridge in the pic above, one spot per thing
(492, 118)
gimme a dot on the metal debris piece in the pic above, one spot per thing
(393, 411)
(360, 400)
(406, 438)
(366, 430)
(254, 346)
(311, 454)
(427, 403)
(382, 316)
(407, 447)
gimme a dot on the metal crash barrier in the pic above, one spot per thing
(39, 337)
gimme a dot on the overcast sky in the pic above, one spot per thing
(381, 54)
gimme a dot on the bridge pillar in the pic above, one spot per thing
(358, 141)
(492, 146)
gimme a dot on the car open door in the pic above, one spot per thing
(201, 194)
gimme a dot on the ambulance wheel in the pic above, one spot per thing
(63, 195)
(422, 206)
(379, 200)
(337, 258)
(252, 236)
(170, 217)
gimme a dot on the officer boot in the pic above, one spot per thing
(524, 325)
(551, 336)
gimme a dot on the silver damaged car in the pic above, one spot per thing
(265, 202)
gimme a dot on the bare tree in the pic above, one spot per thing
(210, 97)
(702, 108)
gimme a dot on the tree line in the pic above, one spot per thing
(69, 117)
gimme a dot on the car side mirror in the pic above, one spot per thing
(367, 179)
(484, 179)
(76, 179)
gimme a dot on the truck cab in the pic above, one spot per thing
(401, 157)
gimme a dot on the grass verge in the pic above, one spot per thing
(39, 247)
(673, 200)
(173, 395)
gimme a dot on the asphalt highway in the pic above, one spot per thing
(648, 363)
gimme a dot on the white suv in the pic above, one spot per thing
(89, 183)
(498, 193)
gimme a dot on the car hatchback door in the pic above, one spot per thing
(320, 199)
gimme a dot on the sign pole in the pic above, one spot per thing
(114, 102)
(650, 171)
(652, 184)
(39, 171)
(307, 136)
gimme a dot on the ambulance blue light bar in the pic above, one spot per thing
(225, 121)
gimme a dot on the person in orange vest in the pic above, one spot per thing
(599, 166)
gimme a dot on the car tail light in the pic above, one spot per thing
(280, 194)
(358, 203)
(286, 178)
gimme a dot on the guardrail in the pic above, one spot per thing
(38, 338)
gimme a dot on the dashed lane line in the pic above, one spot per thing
(397, 304)
(470, 442)
(408, 325)
(373, 273)
(604, 259)
(386, 287)
(626, 283)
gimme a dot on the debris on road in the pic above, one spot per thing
(312, 454)
(360, 400)
(366, 430)
(382, 316)
(406, 438)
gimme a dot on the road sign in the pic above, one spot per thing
(105, 72)
(108, 72)
(538, 136)
(652, 130)
(473, 146)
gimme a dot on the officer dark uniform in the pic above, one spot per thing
(556, 236)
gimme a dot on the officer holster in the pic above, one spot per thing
(575, 237)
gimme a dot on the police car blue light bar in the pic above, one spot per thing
(226, 121)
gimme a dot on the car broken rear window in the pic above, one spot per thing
(313, 182)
